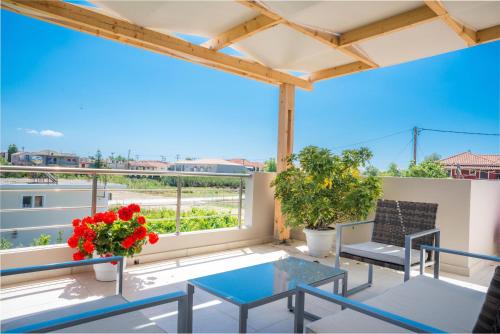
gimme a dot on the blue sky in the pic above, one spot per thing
(97, 94)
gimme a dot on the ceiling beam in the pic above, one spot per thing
(241, 31)
(490, 34)
(388, 25)
(92, 22)
(327, 38)
(338, 71)
(467, 34)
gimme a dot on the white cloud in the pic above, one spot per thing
(44, 133)
(51, 133)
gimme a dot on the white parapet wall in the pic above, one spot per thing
(257, 229)
(468, 216)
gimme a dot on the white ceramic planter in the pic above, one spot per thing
(319, 242)
(106, 272)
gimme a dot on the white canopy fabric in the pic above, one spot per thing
(283, 48)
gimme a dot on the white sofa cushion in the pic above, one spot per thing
(436, 303)
(381, 252)
(125, 323)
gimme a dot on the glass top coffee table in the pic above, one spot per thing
(256, 285)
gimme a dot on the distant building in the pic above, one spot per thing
(208, 166)
(148, 165)
(252, 166)
(45, 158)
(469, 165)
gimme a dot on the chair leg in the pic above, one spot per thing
(363, 286)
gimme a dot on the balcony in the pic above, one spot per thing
(467, 211)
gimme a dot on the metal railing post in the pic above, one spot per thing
(240, 202)
(93, 208)
(178, 208)
(119, 276)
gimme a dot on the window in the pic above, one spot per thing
(27, 201)
(483, 175)
(38, 201)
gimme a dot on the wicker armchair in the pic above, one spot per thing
(396, 226)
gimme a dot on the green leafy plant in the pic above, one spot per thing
(5, 244)
(320, 189)
(270, 165)
(42, 240)
(427, 168)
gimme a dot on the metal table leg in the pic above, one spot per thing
(344, 287)
(243, 319)
(189, 316)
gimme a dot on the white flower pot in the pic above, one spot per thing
(106, 272)
(319, 242)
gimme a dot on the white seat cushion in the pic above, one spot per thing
(125, 323)
(433, 302)
(381, 252)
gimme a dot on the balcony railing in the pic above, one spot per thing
(172, 201)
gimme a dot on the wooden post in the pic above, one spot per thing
(285, 148)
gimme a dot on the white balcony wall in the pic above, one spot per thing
(257, 229)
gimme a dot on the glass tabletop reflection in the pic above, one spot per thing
(264, 280)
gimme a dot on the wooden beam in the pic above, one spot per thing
(338, 71)
(241, 31)
(286, 115)
(89, 21)
(490, 34)
(468, 35)
(329, 39)
(389, 25)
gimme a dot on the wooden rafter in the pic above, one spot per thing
(338, 71)
(241, 31)
(467, 34)
(490, 34)
(92, 22)
(388, 25)
(329, 39)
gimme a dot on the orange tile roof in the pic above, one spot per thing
(468, 159)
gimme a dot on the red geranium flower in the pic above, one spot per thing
(73, 241)
(128, 242)
(141, 220)
(99, 217)
(87, 220)
(76, 222)
(153, 238)
(78, 231)
(140, 232)
(88, 246)
(110, 217)
(78, 256)
(125, 213)
(134, 208)
(89, 234)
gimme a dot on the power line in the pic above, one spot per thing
(372, 139)
(461, 132)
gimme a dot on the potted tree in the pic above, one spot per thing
(121, 233)
(320, 189)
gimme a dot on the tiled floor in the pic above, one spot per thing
(210, 314)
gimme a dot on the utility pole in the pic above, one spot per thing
(128, 159)
(415, 139)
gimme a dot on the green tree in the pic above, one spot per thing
(433, 157)
(11, 150)
(371, 171)
(427, 168)
(392, 170)
(3, 161)
(99, 162)
(270, 165)
(320, 189)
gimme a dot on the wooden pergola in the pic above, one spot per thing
(320, 39)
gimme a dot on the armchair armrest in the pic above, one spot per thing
(89, 316)
(70, 264)
(368, 310)
(409, 239)
(338, 239)
(438, 250)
